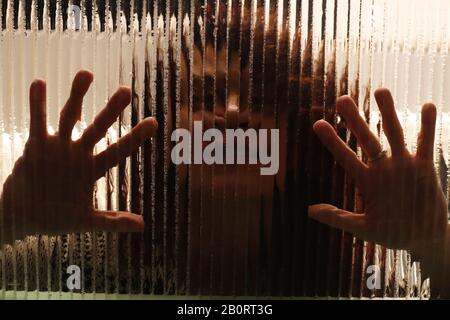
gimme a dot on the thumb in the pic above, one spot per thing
(337, 218)
(113, 221)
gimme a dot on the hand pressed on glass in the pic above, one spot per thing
(50, 190)
(405, 207)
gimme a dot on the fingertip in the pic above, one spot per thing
(118, 222)
(429, 116)
(124, 89)
(37, 85)
(124, 93)
(318, 124)
(150, 125)
(426, 139)
(316, 211)
(343, 98)
(152, 121)
(141, 226)
(382, 91)
(382, 94)
(81, 83)
(135, 223)
(85, 75)
(344, 104)
(321, 126)
(312, 211)
(429, 109)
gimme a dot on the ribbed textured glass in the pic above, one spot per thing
(222, 230)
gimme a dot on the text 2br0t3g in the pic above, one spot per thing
(226, 309)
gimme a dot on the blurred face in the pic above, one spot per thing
(236, 195)
(221, 102)
(227, 106)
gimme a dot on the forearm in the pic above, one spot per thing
(435, 264)
(3, 227)
(6, 232)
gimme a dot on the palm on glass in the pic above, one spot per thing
(405, 207)
(50, 190)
